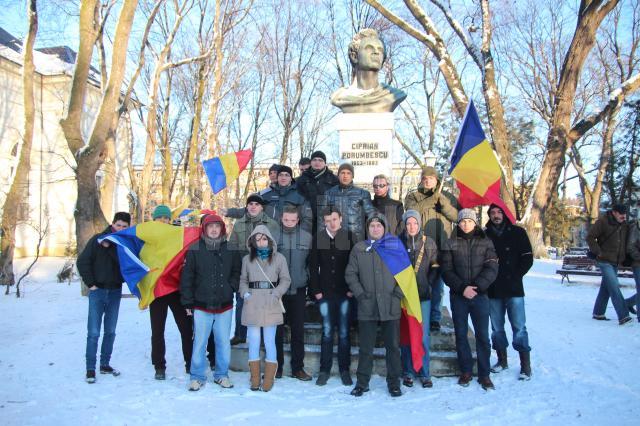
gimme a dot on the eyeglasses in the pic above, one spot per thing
(382, 185)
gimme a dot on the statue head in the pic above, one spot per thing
(367, 51)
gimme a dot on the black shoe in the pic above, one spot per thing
(407, 381)
(600, 317)
(91, 376)
(107, 369)
(279, 373)
(359, 390)
(434, 326)
(395, 391)
(633, 310)
(345, 376)
(160, 374)
(322, 379)
(625, 320)
(426, 383)
(235, 340)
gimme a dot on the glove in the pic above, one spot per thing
(438, 206)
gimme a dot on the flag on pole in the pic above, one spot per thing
(394, 256)
(223, 170)
(475, 167)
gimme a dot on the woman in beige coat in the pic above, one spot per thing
(263, 281)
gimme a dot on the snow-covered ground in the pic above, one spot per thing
(585, 371)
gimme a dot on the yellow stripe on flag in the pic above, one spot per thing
(478, 169)
(230, 166)
(406, 279)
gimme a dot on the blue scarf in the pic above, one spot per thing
(263, 252)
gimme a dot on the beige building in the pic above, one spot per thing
(51, 188)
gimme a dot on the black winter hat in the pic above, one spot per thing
(285, 169)
(274, 167)
(255, 198)
(319, 154)
(620, 208)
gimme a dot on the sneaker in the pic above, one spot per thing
(426, 383)
(196, 385)
(107, 369)
(499, 366)
(91, 376)
(235, 340)
(625, 320)
(486, 383)
(395, 391)
(345, 376)
(301, 375)
(407, 381)
(600, 317)
(524, 376)
(322, 379)
(224, 382)
(464, 380)
(434, 326)
(160, 374)
(359, 390)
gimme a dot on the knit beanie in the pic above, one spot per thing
(414, 214)
(285, 169)
(467, 214)
(213, 218)
(346, 166)
(255, 198)
(429, 171)
(161, 211)
(319, 154)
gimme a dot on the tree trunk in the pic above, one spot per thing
(167, 161)
(16, 194)
(191, 175)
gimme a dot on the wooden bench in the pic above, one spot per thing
(582, 265)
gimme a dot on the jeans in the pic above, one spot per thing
(158, 310)
(335, 314)
(102, 303)
(269, 334)
(294, 318)
(478, 309)
(367, 331)
(437, 291)
(610, 287)
(635, 299)
(405, 350)
(514, 308)
(241, 330)
(203, 324)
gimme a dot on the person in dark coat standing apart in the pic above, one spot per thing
(469, 266)
(378, 296)
(327, 265)
(99, 269)
(607, 240)
(506, 294)
(390, 208)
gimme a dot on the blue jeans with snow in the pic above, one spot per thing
(478, 309)
(335, 314)
(437, 291)
(103, 303)
(514, 308)
(610, 287)
(203, 324)
(405, 350)
(269, 335)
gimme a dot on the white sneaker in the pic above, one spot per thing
(196, 385)
(224, 382)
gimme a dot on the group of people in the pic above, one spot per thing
(315, 237)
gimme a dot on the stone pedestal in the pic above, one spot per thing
(366, 142)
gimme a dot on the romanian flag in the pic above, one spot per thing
(475, 167)
(151, 256)
(394, 255)
(223, 170)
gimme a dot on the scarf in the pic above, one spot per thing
(263, 252)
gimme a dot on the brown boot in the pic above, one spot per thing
(269, 375)
(254, 368)
(502, 363)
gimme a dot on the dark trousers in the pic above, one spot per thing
(478, 309)
(294, 318)
(335, 314)
(240, 330)
(367, 331)
(158, 313)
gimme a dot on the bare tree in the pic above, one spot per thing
(16, 194)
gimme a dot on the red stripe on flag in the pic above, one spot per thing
(411, 335)
(169, 281)
(243, 157)
(469, 199)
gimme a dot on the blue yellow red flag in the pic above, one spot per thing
(223, 170)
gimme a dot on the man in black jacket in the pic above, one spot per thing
(210, 278)
(506, 294)
(327, 265)
(99, 269)
(469, 266)
(315, 181)
(390, 208)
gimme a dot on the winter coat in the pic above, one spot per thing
(312, 185)
(355, 205)
(515, 258)
(469, 260)
(438, 212)
(295, 246)
(280, 197)
(209, 277)
(633, 243)
(243, 227)
(607, 239)
(429, 270)
(372, 284)
(262, 307)
(328, 262)
(393, 211)
(99, 265)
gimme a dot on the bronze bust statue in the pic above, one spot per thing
(367, 53)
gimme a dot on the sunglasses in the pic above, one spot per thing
(382, 185)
